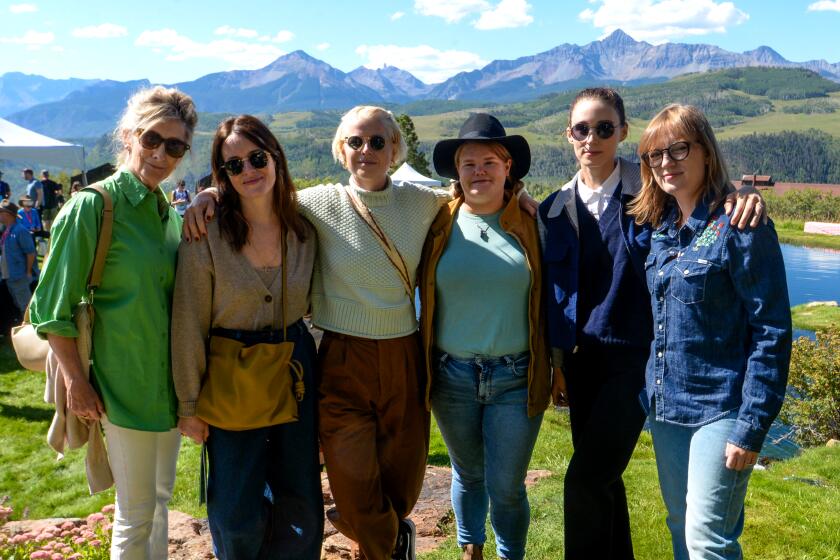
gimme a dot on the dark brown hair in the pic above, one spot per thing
(232, 222)
(607, 95)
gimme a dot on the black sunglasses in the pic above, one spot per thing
(677, 151)
(235, 166)
(604, 130)
(151, 140)
(376, 142)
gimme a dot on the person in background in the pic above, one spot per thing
(718, 365)
(180, 197)
(52, 192)
(5, 189)
(229, 284)
(75, 188)
(34, 188)
(31, 220)
(483, 329)
(130, 390)
(599, 320)
(17, 255)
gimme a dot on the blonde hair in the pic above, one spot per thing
(689, 123)
(369, 112)
(511, 187)
(149, 106)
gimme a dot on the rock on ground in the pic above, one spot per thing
(189, 538)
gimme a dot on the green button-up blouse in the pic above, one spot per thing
(131, 353)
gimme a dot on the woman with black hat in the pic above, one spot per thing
(482, 324)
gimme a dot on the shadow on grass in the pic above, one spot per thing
(26, 413)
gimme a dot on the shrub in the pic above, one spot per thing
(803, 205)
(813, 402)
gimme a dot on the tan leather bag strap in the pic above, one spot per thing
(387, 245)
(104, 241)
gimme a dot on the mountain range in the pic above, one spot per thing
(297, 81)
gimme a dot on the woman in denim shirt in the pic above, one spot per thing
(719, 360)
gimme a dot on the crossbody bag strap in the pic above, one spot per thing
(283, 277)
(103, 243)
(387, 245)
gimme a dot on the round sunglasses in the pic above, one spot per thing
(151, 140)
(376, 142)
(236, 165)
(603, 129)
(677, 151)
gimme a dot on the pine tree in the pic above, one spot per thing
(414, 157)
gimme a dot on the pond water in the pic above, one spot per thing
(812, 274)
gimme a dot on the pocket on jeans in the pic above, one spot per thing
(519, 366)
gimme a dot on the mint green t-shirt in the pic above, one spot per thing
(482, 284)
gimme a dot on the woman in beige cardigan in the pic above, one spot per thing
(230, 285)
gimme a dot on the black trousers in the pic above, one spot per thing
(606, 419)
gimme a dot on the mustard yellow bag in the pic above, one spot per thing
(248, 386)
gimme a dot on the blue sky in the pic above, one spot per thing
(176, 40)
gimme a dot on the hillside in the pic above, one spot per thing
(785, 122)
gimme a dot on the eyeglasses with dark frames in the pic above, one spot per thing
(677, 151)
(236, 165)
(603, 129)
(151, 140)
(376, 142)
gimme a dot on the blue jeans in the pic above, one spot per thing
(481, 406)
(264, 491)
(705, 500)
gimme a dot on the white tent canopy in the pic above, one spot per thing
(18, 143)
(407, 174)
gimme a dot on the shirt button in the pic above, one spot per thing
(268, 299)
(685, 271)
(659, 382)
(660, 326)
(661, 273)
(661, 298)
(659, 354)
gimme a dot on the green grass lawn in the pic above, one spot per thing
(790, 231)
(815, 318)
(786, 519)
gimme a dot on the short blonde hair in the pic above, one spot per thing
(688, 122)
(149, 106)
(369, 112)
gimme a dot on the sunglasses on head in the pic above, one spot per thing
(236, 165)
(376, 142)
(603, 129)
(677, 151)
(151, 140)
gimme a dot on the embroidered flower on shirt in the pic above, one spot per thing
(710, 234)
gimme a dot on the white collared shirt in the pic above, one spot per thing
(596, 200)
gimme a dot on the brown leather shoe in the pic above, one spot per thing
(473, 552)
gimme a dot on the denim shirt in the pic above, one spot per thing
(722, 327)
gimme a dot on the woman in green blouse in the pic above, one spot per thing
(131, 391)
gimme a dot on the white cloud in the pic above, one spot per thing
(508, 13)
(505, 13)
(451, 11)
(32, 40)
(283, 36)
(663, 20)
(238, 54)
(427, 63)
(397, 15)
(103, 31)
(229, 31)
(322, 46)
(23, 8)
(825, 6)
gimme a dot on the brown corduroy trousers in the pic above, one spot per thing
(374, 432)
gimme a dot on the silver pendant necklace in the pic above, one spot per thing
(483, 230)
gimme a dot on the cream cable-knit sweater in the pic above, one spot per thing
(355, 289)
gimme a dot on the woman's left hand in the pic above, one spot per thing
(738, 458)
(745, 206)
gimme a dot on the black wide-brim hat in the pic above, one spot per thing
(481, 127)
